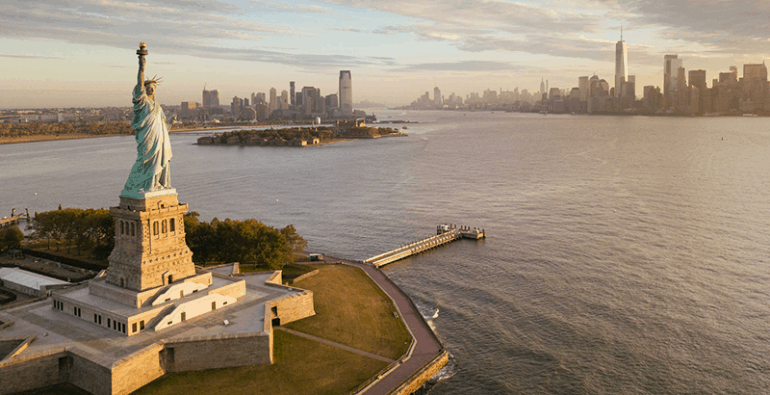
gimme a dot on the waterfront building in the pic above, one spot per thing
(554, 94)
(332, 101)
(542, 87)
(188, 110)
(273, 104)
(437, 96)
(210, 98)
(574, 100)
(236, 107)
(292, 93)
(346, 92)
(697, 80)
(319, 106)
(261, 98)
(621, 64)
(284, 104)
(671, 64)
(682, 96)
(262, 110)
(754, 72)
(583, 86)
(729, 78)
(308, 99)
(651, 99)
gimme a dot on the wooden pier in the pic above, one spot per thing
(444, 234)
(11, 220)
(14, 218)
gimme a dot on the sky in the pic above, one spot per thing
(82, 53)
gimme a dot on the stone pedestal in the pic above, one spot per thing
(150, 249)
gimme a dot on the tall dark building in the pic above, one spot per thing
(292, 94)
(210, 98)
(346, 92)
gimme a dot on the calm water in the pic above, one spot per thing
(625, 254)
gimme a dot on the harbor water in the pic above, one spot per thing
(623, 254)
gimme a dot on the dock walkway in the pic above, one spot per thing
(11, 220)
(444, 234)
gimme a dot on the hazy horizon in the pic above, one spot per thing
(81, 53)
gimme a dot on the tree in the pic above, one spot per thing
(248, 242)
(295, 242)
(10, 238)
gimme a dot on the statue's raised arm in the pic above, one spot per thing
(142, 52)
(151, 174)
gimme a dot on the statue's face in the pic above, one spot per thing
(150, 89)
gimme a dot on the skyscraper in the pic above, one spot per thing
(284, 100)
(292, 93)
(210, 98)
(542, 87)
(346, 92)
(273, 100)
(671, 65)
(621, 64)
(308, 99)
(754, 72)
(583, 85)
(437, 96)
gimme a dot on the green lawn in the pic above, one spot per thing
(301, 366)
(352, 310)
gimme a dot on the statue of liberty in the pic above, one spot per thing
(151, 171)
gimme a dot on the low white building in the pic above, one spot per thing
(29, 283)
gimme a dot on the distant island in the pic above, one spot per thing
(300, 136)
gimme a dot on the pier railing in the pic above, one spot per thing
(447, 234)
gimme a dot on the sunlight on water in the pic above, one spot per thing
(624, 254)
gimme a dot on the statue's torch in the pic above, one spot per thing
(142, 51)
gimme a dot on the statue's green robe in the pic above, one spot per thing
(151, 171)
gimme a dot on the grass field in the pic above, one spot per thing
(352, 310)
(301, 367)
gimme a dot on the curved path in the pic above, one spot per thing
(428, 346)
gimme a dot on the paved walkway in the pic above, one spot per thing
(427, 347)
(333, 344)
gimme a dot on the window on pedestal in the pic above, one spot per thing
(133, 229)
(164, 226)
(122, 228)
(155, 228)
(172, 225)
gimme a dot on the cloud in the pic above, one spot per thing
(292, 8)
(346, 29)
(494, 15)
(719, 28)
(469, 65)
(203, 28)
(29, 56)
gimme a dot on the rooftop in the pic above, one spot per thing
(56, 329)
(27, 279)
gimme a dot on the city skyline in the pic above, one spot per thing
(54, 54)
